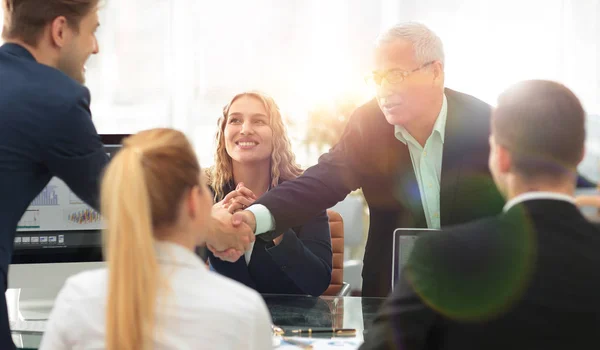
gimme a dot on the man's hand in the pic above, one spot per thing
(229, 237)
(242, 218)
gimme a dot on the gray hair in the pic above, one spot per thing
(427, 45)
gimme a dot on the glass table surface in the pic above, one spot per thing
(292, 312)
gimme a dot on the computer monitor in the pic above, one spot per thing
(403, 243)
(58, 236)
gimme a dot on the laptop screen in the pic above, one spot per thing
(404, 240)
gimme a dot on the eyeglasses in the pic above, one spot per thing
(392, 77)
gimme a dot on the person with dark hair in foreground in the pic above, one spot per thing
(525, 279)
(418, 150)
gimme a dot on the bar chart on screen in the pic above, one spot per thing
(47, 197)
(83, 216)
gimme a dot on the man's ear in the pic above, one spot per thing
(60, 31)
(437, 68)
(504, 159)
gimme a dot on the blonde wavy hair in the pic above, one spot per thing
(283, 161)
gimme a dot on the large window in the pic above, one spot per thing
(302, 52)
(131, 78)
(492, 44)
(176, 63)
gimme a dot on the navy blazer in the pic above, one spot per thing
(45, 130)
(300, 264)
(369, 156)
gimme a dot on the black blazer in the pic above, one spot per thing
(527, 279)
(369, 156)
(300, 264)
(45, 130)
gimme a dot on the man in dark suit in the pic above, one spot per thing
(525, 279)
(418, 151)
(45, 124)
(46, 128)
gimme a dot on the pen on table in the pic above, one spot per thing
(336, 331)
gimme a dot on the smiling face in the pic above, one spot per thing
(248, 134)
(403, 103)
(77, 46)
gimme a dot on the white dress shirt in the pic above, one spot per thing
(528, 196)
(427, 164)
(203, 310)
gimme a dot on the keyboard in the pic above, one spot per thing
(28, 326)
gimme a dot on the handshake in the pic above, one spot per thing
(232, 228)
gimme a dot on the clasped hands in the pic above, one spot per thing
(233, 228)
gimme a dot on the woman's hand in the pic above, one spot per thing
(239, 199)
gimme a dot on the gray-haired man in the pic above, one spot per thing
(418, 150)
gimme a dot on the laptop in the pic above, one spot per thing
(403, 242)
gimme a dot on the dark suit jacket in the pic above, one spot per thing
(369, 156)
(300, 264)
(45, 130)
(527, 279)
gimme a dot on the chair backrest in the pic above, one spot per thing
(352, 211)
(336, 226)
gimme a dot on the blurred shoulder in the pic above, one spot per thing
(467, 102)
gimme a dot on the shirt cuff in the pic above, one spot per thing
(248, 253)
(264, 220)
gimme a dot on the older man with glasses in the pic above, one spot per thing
(418, 150)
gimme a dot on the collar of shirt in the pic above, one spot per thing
(168, 253)
(440, 125)
(537, 195)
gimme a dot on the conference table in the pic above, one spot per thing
(297, 312)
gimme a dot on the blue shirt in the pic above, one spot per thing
(427, 164)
